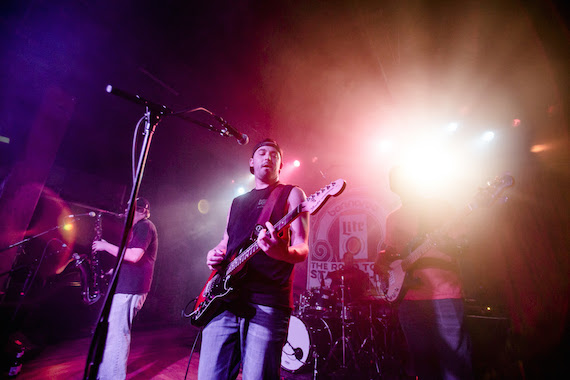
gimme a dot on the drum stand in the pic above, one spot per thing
(344, 339)
(315, 363)
(371, 341)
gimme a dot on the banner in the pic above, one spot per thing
(348, 230)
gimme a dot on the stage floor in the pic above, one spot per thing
(156, 353)
(164, 353)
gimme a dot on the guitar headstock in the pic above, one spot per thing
(491, 193)
(316, 200)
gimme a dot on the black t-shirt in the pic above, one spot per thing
(135, 278)
(266, 281)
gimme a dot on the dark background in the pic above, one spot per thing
(324, 78)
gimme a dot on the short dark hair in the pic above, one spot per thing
(143, 205)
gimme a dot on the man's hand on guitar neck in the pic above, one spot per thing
(272, 244)
(276, 245)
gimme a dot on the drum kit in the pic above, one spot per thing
(347, 327)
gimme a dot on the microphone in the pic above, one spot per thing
(161, 109)
(242, 138)
(298, 353)
(91, 214)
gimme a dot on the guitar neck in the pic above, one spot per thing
(244, 256)
(428, 243)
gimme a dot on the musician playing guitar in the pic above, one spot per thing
(431, 312)
(251, 328)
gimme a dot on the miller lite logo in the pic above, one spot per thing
(353, 236)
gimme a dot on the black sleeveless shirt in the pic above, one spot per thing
(266, 281)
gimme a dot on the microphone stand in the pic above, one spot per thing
(153, 116)
(96, 349)
(29, 238)
(31, 275)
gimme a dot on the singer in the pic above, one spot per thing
(251, 329)
(133, 286)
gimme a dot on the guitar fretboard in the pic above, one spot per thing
(428, 244)
(252, 249)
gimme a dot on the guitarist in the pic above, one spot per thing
(431, 312)
(252, 327)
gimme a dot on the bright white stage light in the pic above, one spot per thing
(431, 166)
(385, 146)
(452, 127)
(488, 136)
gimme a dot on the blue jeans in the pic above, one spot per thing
(437, 338)
(256, 342)
(118, 343)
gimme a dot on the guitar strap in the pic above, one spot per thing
(264, 216)
(270, 204)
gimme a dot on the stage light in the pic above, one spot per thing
(452, 127)
(538, 148)
(379, 147)
(203, 206)
(296, 163)
(488, 136)
(68, 226)
(240, 190)
(385, 146)
(430, 166)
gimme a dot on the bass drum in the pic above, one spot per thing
(308, 336)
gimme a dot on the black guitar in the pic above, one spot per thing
(220, 284)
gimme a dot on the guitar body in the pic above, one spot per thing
(396, 278)
(210, 299)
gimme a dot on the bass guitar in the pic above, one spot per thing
(485, 198)
(220, 285)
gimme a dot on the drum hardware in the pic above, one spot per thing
(371, 342)
(297, 352)
(315, 364)
(309, 339)
(336, 331)
(318, 302)
(344, 339)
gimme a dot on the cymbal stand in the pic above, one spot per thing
(344, 339)
(315, 362)
(370, 340)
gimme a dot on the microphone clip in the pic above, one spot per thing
(227, 130)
